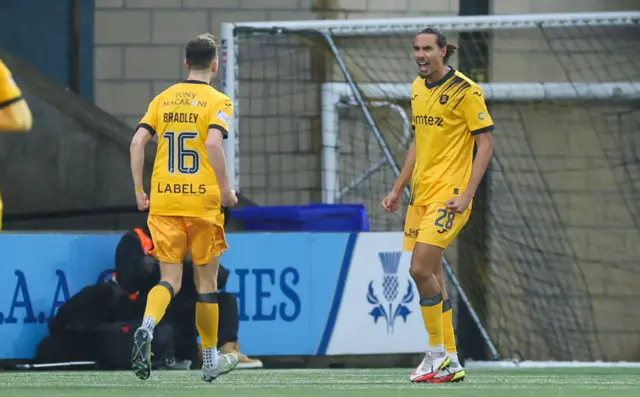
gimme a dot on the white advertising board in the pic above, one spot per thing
(379, 312)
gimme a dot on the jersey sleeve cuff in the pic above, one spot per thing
(224, 131)
(9, 102)
(148, 127)
(488, 128)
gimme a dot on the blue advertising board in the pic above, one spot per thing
(285, 283)
(298, 293)
(39, 272)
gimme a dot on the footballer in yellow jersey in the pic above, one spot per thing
(185, 196)
(450, 119)
(447, 115)
(15, 114)
(189, 187)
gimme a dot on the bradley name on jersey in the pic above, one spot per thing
(191, 118)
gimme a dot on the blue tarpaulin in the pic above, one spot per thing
(312, 217)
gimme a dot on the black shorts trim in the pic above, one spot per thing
(10, 102)
(224, 131)
(488, 128)
(148, 127)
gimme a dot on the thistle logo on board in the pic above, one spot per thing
(388, 306)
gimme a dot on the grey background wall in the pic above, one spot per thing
(138, 43)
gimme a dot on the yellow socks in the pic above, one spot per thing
(447, 327)
(207, 320)
(157, 302)
(432, 315)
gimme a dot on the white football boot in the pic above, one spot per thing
(433, 362)
(451, 374)
(226, 363)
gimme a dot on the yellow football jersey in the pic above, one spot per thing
(9, 91)
(446, 116)
(183, 182)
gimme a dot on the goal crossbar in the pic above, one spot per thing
(451, 23)
(506, 91)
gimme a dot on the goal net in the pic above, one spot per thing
(323, 114)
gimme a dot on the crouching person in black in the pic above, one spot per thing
(137, 272)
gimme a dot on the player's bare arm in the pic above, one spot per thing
(136, 150)
(484, 145)
(16, 116)
(218, 160)
(392, 201)
(407, 169)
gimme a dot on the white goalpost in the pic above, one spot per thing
(323, 113)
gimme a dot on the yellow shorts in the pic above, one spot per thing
(432, 224)
(173, 235)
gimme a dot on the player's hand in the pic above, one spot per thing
(142, 200)
(459, 203)
(229, 198)
(391, 202)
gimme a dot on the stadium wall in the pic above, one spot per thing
(144, 56)
(76, 157)
(56, 37)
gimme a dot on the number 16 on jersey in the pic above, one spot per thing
(188, 160)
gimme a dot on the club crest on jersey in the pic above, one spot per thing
(444, 98)
(392, 307)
